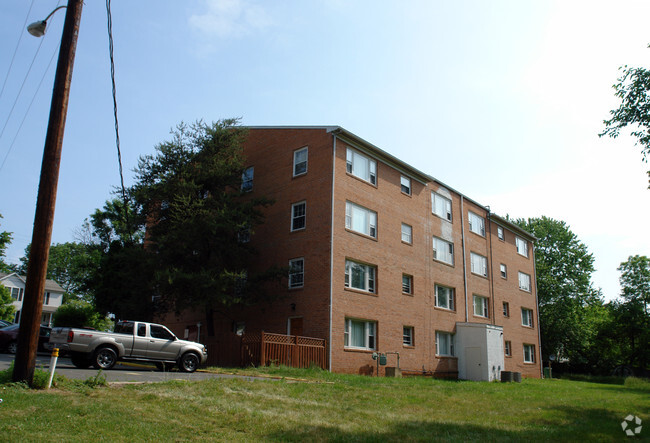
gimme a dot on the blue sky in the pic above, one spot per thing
(502, 100)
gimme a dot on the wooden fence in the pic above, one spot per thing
(299, 352)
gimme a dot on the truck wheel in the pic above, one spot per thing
(189, 362)
(80, 361)
(105, 358)
(12, 347)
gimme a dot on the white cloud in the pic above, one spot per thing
(230, 18)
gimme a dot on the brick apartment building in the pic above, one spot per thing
(385, 258)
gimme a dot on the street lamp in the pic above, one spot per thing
(42, 233)
(37, 29)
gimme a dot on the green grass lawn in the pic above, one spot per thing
(328, 407)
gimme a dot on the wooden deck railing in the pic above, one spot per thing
(299, 352)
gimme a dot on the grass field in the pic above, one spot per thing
(325, 407)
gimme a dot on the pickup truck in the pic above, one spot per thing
(130, 341)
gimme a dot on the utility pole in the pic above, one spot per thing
(30, 318)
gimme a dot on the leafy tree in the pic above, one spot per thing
(190, 193)
(568, 303)
(5, 241)
(71, 265)
(188, 200)
(633, 311)
(6, 304)
(633, 88)
(80, 314)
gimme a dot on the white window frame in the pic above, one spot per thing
(298, 161)
(407, 234)
(407, 284)
(527, 317)
(478, 264)
(524, 282)
(507, 348)
(408, 336)
(441, 206)
(481, 306)
(522, 246)
(367, 173)
(445, 344)
(529, 353)
(297, 273)
(476, 223)
(405, 185)
(448, 295)
(369, 276)
(297, 216)
(506, 309)
(443, 251)
(504, 271)
(500, 233)
(247, 179)
(370, 216)
(369, 338)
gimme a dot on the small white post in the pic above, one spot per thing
(53, 360)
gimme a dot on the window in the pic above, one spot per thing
(359, 276)
(300, 162)
(407, 284)
(17, 317)
(500, 233)
(524, 282)
(508, 348)
(504, 271)
(478, 264)
(444, 344)
(298, 216)
(444, 297)
(529, 353)
(506, 309)
(522, 246)
(407, 336)
(441, 206)
(476, 223)
(481, 306)
(244, 234)
(405, 185)
(407, 234)
(46, 301)
(443, 250)
(360, 334)
(161, 332)
(360, 219)
(14, 293)
(361, 166)
(247, 179)
(527, 317)
(296, 273)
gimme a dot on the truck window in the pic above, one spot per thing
(142, 330)
(124, 328)
(161, 332)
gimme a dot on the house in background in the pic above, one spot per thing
(51, 302)
(383, 258)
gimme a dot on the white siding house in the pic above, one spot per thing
(51, 302)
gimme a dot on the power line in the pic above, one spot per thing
(13, 57)
(29, 107)
(117, 128)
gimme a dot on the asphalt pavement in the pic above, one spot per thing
(121, 372)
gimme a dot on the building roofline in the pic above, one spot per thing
(423, 177)
(50, 285)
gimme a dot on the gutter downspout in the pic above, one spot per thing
(539, 329)
(494, 312)
(462, 236)
(329, 360)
